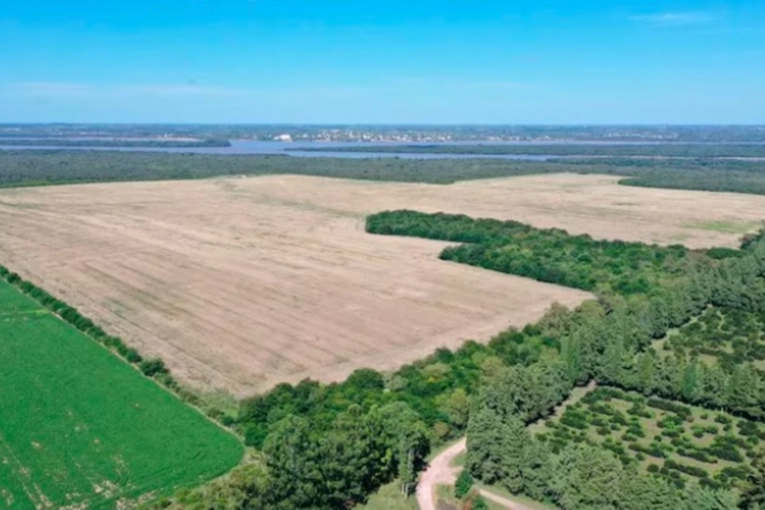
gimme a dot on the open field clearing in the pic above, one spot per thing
(80, 428)
(243, 283)
(580, 204)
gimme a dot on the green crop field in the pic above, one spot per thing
(81, 428)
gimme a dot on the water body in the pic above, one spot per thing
(251, 147)
(254, 147)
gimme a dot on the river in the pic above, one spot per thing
(252, 147)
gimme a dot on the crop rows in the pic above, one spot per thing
(674, 440)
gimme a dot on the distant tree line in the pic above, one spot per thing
(653, 150)
(697, 174)
(39, 168)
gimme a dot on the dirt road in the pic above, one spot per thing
(441, 472)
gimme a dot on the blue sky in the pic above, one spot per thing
(414, 61)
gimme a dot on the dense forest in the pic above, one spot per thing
(696, 174)
(373, 428)
(30, 168)
(548, 255)
(654, 150)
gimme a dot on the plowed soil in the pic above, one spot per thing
(244, 283)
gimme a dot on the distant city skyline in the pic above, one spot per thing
(549, 62)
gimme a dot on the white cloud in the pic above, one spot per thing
(64, 89)
(670, 18)
(71, 91)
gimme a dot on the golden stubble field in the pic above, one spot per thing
(244, 283)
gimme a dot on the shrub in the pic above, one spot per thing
(683, 411)
(722, 419)
(688, 470)
(464, 484)
(132, 355)
(653, 451)
(479, 503)
(152, 367)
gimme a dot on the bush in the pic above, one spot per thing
(603, 431)
(653, 450)
(152, 367)
(688, 470)
(722, 419)
(132, 355)
(683, 411)
(464, 484)
(478, 503)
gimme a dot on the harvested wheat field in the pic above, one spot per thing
(244, 283)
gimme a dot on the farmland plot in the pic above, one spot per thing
(245, 283)
(81, 428)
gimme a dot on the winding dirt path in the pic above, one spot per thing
(441, 472)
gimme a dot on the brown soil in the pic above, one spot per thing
(244, 283)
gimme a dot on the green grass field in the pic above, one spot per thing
(81, 428)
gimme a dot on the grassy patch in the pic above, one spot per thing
(459, 460)
(389, 497)
(725, 227)
(523, 500)
(80, 427)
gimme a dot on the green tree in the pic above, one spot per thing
(457, 406)
(464, 484)
(486, 433)
(294, 463)
(406, 439)
(640, 491)
(586, 477)
(697, 497)
(754, 491)
(514, 447)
